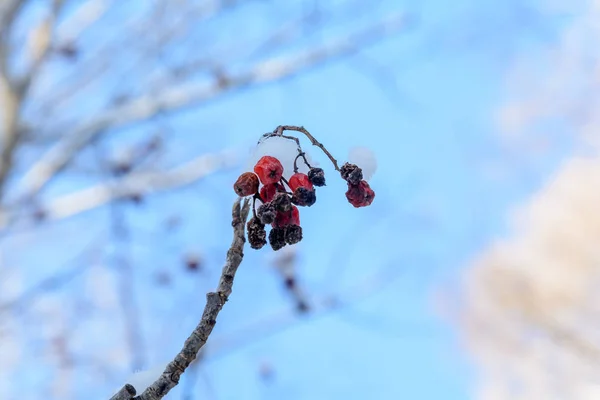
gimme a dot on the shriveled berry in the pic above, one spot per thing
(300, 180)
(282, 202)
(360, 195)
(351, 173)
(257, 236)
(277, 238)
(269, 170)
(246, 184)
(293, 234)
(316, 176)
(304, 197)
(266, 213)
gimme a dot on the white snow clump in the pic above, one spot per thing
(140, 380)
(285, 150)
(365, 159)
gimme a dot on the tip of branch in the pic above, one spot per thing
(239, 212)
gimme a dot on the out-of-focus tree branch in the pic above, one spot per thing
(13, 90)
(172, 98)
(134, 184)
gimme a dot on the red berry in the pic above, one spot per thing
(295, 219)
(246, 184)
(291, 217)
(300, 180)
(360, 195)
(267, 192)
(269, 170)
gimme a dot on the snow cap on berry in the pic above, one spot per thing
(285, 150)
(365, 159)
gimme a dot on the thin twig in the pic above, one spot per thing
(214, 303)
(303, 155)
(313, 141)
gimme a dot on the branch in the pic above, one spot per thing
(13, 91)
(11, 104)
(214, 303)
(127, 392)
(134, 184)
(40, 43)
(188, 94)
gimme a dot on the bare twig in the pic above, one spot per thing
(282, 128)
(188, 94)
(214, 303)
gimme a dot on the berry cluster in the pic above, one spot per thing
(280, 198)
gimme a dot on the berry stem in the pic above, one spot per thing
(284, 181)
(303, 155)
(254, 198)
(281, 128)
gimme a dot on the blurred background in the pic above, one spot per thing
(473, 275)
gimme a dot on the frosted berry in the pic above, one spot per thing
(266, 213)
(282, 202)
(277, 238)
(316, 176)
(267, 192)
(269, 170)
(304, 197)
(300, 180)
(293, 234)
(246, 184)
(291, 217)
(360, 195)
(351, 173)
(257, 236)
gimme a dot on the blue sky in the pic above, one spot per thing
(429, 119)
